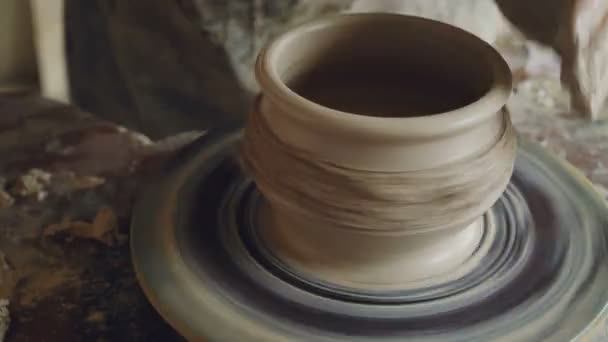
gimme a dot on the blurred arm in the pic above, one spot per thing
(578, 31)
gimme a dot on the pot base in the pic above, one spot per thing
(539, 274)
(364, 260)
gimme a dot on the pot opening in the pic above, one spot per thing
(386, 68)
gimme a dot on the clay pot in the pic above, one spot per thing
(388, 93)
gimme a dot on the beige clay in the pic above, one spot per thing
(379, 148)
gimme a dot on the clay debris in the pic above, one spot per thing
(104, 228)
(38, 183)
(32, 183)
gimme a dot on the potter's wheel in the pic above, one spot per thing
(540, 272)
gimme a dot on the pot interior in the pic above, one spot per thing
(395, 67)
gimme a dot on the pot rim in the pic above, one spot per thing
(439, 124)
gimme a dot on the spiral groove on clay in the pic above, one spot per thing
(393, 202)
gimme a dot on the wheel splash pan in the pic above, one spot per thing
(199, 261)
